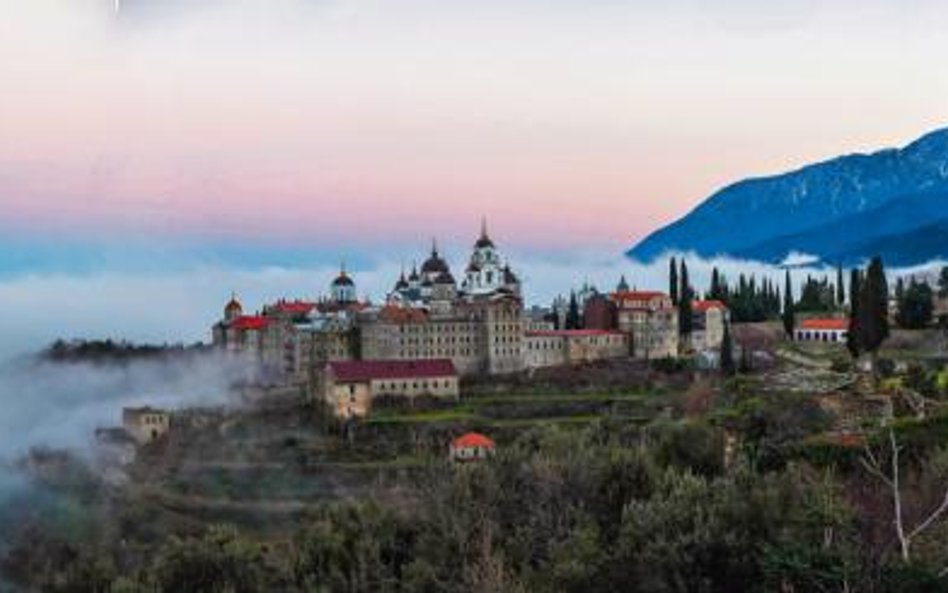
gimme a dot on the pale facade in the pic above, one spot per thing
(350, 387)
(708, 321)
(651, 320)
(831, 331)
(145, 425)
(552, 348)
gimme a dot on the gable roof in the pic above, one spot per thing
(368, 370)
(472, 439)
(703, 306)
(825, 323)
(250, 322)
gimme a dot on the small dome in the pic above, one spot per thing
(402, 284)
(484, 242)
(509, 276)
(435, 264)
(233, 307)
(343, 279)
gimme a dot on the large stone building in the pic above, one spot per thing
(544, 348)
(651, 320)
(350, 387)
(479, 324)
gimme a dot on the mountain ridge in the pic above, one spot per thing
(766, 208)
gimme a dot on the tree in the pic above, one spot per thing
(673, 280)
(573, 320)
(873, 311)
(915, 306)
(852, 335)
(840, 287)
(727, 353)
(892, 480)
(789, 316)
(684, 303)
(943, 283)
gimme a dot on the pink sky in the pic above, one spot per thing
(567, 124)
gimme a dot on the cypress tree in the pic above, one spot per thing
(873, 312)
(789, 317)
(840, 287)
(572, 314)
(853, 339)
(684, 302)
(673, 280)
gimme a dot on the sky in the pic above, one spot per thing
(154, 159)
(359, 124)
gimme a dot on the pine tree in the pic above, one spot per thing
(727, 353)
(673, 280)
(789, 316)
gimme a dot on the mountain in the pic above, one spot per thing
(829, 209)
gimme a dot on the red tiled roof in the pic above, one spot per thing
(638, 295)
(367, 370)
(825, 324)
(294, 307)
(571, 333)
(250, 322)
(472, 439)
(392, 314)
(702, 306)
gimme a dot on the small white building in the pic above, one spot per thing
(145, 425)
(830, 330)
(472, 446)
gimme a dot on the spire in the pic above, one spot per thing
(434, 246)
(483, 227)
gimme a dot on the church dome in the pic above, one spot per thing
(233, 308)
(343, 279)
(484, 242)
(509, 276)
(434, 264)
(444, 278)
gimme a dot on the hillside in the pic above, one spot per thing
(790, 212)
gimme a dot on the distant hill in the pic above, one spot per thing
(841, 209)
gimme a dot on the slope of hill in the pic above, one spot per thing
(782, 213)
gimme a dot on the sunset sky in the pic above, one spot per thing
(273, 125)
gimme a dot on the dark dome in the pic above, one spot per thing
(444, 278)
(484, 242)
(509, 276)
(343, 280)
(402, 284)
(473, 267)
(434, 265)
(426, 282)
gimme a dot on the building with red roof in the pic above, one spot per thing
(472, 446)
(822, 329)
(350, 386)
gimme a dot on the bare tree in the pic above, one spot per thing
(891, 479)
